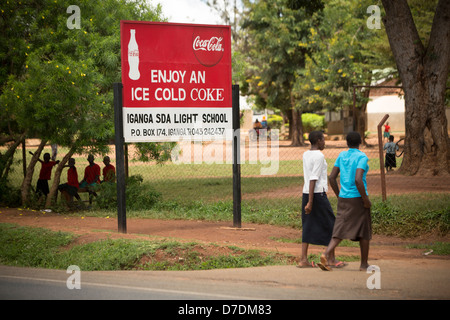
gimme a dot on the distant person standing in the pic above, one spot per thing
(257, 125)
(264, 123)
(317, 214)
(387, 131)
(353, 218)
(42, 188)
(390, 159)
(54, 151)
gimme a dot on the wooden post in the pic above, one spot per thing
(380, 150)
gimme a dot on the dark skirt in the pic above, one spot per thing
(353, 221)
(71, 190)
(42, 187)
(318, 225)
(390, 160)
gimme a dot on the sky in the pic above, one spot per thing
(188, 11)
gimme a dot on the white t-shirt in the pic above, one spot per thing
(315, 168)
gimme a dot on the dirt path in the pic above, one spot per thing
(251, 236)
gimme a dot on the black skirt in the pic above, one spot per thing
(318, 225)
(390, 160)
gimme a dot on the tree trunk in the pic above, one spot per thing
(289, 121)
(57, 178)
(297, 126)
(295, 134)
(26, 183)
(361, 117)
(424, 73)
(283, 125)
(6, 159)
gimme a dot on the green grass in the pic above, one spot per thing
(41, 248)
(30, 247)
(213, 189)
(412, 215)
(191, 256)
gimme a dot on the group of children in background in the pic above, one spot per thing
(70, 189)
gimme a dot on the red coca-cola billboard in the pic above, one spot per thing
(176, 81)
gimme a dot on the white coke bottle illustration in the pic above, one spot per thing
(133, 57)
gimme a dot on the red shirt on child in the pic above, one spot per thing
(109, 173)
(72, 177)
(46, 170)
(91, 172)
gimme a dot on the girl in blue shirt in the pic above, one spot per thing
(353, 219)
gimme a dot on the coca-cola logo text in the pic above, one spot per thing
(208, 46)
(133, 53)
(212, 44)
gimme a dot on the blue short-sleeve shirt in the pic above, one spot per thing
(347, 162)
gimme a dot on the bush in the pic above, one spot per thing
(9, 196)
(275, 121)
(397, 219)
(312, 122)
(138, 195)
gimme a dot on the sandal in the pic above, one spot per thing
(339, 264)
(324, 263)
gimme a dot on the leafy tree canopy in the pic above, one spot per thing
(56, 81)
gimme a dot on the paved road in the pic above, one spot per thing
(399, 279)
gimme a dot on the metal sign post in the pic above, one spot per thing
(236, 159)
(120, 158)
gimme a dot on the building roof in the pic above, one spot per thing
(378, 92)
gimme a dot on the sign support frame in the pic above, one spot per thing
(120, 159)
(147, 93)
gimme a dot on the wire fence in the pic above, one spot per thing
(271, 171)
